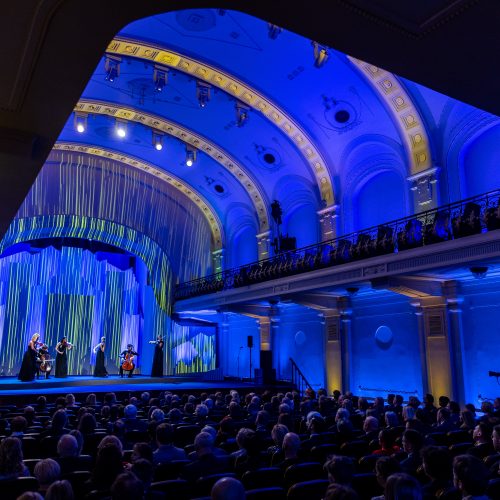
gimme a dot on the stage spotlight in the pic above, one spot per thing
(121, 128)
(190, 155)
(160, 78)
(112, 68)
(478, 271)
(273, 31)
(158, 140)
(203, 93)
(80, 122)
(320, 54)
(242, 111)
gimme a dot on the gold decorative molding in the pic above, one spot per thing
(406, 115)
(201, 143)
(207, 210)
(239, 90)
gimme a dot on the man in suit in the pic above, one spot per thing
(166, 451)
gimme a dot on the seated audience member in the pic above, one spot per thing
(412, 444)
(11, 459)
(252, 459)
(127, 486)
(46, 472)
(242, 438)
(482, 441)
(429, 411)
(107, 468)
(316, 427)
(454, 408)
(166, 451)
(60, 490)
(470, 477)
(387, 443)
(340, 469)
(340, 492)
(291, 448)
(218, 452)
(58, 425)
(227, 488)
(385, 467)
(206, 463)
(30, 495)
(370, 428)
(467, 420)
(142, 451)
(278, 433)
(437, 466)
(110, 440)
(132, 423)
(443, 421)
(402, 486)
(391, 419)
(18, 426)
(443, 401)
(68, 455)
(144, 470)
(493, 460)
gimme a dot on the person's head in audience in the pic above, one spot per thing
(436, 462)
(30, 495)
(398, 400)
(443, 415)
(467, 420)
(130, 412)
(79, 439)
(60, 490)
(70, 400)
(18, 426)
(495, 438)
(470, 476)
(91, 400)
(211, 430)
(47, 471)
(340, 492)
(408, 413)
(157, 415)
(286, 419)
(164, 434)
(11, 458)
(110, 398)
(110, 440)
(142, 451)
(87, 424)
(487, 407)
(108, 465)
(481, 433)
(401, 486)
(278, 433)
(143, 469)
(201, 411)
(471, 408)
(29, 414)
(235, 410)
(59, 420)
(262, 419)
(226, 426)
(291, 445)
(386, 439)
(228, 488)
(443, 401)
(41, 403)
(243, 437)
(317, 425)
(370, 424)
(385, 467)
(175, 416)
(429, 400)
(412, 441)
(67, 446)
(145, 397)
(127, 486)
(203, 444)
(340, 469)
(391, 419)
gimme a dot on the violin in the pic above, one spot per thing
(128, 362)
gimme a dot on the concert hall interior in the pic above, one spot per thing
(295, 193)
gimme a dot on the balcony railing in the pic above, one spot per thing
(456, 220)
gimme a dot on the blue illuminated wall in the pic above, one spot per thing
(389, 361)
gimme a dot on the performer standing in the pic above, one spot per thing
(157, 369)
(28, 366)
(62, 349)
(100, 368)
(127, 360)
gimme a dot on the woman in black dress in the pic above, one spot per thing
(100, 368)
(62, 349)
(157, 369)
(28, 366)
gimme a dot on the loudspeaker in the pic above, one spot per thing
(250, 341)
(266, 365)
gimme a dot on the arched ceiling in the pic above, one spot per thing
(301, 114)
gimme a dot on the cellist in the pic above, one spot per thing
(127, 360)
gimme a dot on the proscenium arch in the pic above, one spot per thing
(406, 116)
(131, 161)
(249, 184)
(128, 47)
(106, 231)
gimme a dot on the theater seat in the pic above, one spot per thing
(308, 490)
(304, 472)
(177, 488)
(273, 493)
(204, 485)
(13, 488)
(366, 485)
(262, 478)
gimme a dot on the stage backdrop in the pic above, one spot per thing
(80, 294)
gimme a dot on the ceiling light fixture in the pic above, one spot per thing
(112, 68)
(190, 155)
(203, 93)
(320, 54)
(273, 31)
(158, 140)
(242, 111)
(80, 122)
(160, 77)
(121, 128)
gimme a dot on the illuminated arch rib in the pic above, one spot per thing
(406, 116)
(208, 211)
(169, 127)
(242, 92)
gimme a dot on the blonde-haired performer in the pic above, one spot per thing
(28, 366)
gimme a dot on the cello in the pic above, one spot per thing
(128, 362)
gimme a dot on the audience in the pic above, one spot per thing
(11, 459)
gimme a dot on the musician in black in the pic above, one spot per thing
(127, 358)
(43, 363)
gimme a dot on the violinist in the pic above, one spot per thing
(62, 349)
(157, 369)
(100, 367)
(127, 360)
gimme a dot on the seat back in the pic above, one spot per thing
(311, 490)
(272, 493)
(307, 471)
(262, 478)
(176, 488)
(204, 484)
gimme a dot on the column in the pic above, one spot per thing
(332, 350)
(328, 222)
(456, 346)
(224, 341)
(274, 338)
(264, 245)
(424, 186)
(419, 313)
(345, 343)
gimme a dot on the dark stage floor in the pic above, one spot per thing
(82, 383)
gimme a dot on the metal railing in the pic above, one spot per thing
(455, 220)
(298, 378)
